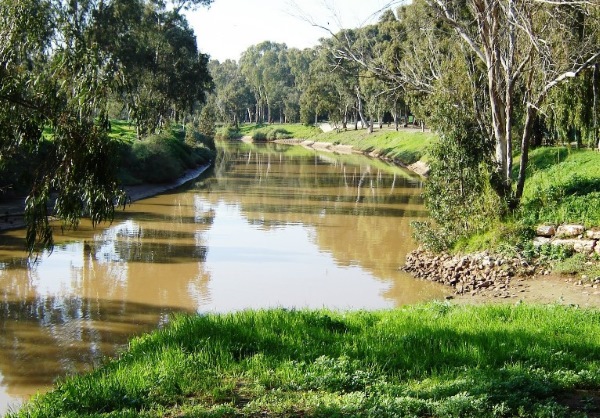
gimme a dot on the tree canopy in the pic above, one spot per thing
(62, 64)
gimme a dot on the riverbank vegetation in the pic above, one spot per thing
(69, 67)
(159, 158)
(436, 360)
(495, 99)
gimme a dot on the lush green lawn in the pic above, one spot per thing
(288, 130)
(435, 360)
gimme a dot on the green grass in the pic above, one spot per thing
(563, 186)
(292, 130)
(123, 130)
(435, 360)
(404, 146)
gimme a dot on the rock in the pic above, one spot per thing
(585, 246)
(569, 231)
(539, 241)
(545, 231)
(593, 233)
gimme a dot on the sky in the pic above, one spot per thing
(229, 27)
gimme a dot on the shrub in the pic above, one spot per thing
(153, 160)
(206, 126)
(227, 132)
(270, 134)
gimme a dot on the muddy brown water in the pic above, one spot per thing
(268, 226)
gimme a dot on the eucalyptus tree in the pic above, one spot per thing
(52, 76)
(268, 73)
(533, 46)
(162, 73)
(59, 65)
(233, 97)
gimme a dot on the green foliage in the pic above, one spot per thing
(576, 263)
(159, 159)
(458, 192)
(435, 360)
(206, 125)
(194, 138)
(270, 134)
(227, 132)
(64, 64)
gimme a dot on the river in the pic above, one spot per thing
(267, 226)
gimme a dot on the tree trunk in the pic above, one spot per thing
(595, 106)
(527, 129)
(360, 108)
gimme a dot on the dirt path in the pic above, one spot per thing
(552, 289)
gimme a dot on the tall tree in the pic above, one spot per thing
(531, 45)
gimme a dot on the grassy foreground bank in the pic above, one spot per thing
(435, 360)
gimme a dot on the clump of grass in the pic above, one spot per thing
(270, 134)
(435, 360)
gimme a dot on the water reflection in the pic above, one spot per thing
(270, 226)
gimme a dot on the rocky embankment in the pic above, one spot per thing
(575, 237)
(496, 275)
(473, 274)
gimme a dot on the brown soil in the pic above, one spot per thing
(551, 289)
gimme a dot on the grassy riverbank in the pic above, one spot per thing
(563, 187)
(435, 360)
(158, 158)
(406, 146)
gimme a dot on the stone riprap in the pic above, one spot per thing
(572, 236)
(472, 273)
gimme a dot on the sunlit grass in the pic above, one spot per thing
(293, 130)
(435, 360)
(563, 187)
(404, 146)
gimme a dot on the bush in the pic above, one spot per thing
(153, 160)
(206, 126)
(270, 134)
(227, 132)
(195, 138)
(161, 158)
